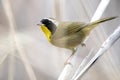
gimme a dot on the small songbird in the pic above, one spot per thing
(68, 34)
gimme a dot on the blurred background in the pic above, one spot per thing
(25, 53)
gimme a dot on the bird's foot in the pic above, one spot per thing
(68, 63)
(83, 45)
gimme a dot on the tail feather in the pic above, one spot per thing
(103, 20)
(92, 25)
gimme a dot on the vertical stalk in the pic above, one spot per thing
(15, 44)
(9, 15)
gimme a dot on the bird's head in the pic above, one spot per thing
(48, 26)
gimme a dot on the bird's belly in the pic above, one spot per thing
(69, 41)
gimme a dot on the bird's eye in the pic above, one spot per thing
(50, 22)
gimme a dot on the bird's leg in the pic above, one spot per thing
(67, 60)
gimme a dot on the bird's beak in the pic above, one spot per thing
(39, 24)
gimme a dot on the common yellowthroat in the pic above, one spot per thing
(68, 34)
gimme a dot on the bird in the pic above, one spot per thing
(68, 34)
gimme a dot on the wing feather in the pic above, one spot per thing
(65, 29)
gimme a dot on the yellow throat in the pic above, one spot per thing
(46, 31)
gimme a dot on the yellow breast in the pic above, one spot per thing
(46, 31)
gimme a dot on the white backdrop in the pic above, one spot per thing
(41, 60)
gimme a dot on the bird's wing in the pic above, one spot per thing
(67, 28)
